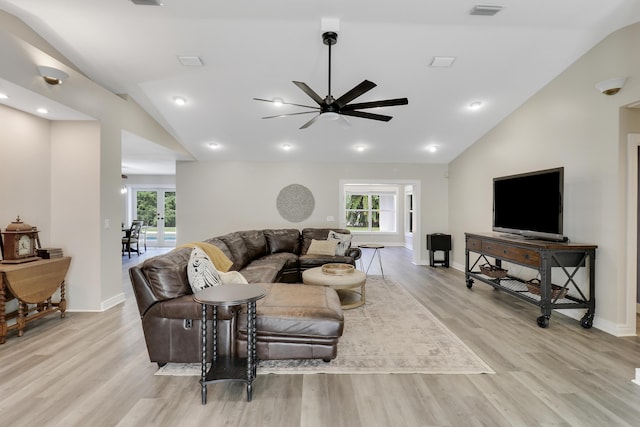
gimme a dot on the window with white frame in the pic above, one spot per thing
(371, 209)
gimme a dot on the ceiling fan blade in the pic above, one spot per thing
(375, 104)
(366, 115)
(306, 89)
(361, 89)
(310, 122)
(290, 114)
(285, 103)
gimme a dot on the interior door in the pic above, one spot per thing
(157, 207)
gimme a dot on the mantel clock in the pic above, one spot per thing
(19, 241)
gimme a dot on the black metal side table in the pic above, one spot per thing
(228, 368)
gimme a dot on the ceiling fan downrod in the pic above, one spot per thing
(329, 38)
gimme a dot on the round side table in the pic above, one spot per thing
(376, 250)
(229, 368)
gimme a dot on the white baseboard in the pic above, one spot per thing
(112, 302)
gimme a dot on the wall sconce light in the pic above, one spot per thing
(51, 75)
(610, 86)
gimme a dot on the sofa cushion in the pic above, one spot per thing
(309, 234)
(283, 240)
(222, 246)
(255, 242)
(297, 310)
(310, 261)
(167, 274)
(233, 278)
(239, 252)
(322, 247)
(201, 272)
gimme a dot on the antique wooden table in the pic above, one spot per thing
(32, 283)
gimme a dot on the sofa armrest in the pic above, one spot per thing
(354, 253)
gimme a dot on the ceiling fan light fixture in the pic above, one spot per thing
(179, 100)
(278, 102)
(329, 115)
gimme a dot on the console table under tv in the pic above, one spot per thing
(542, 256)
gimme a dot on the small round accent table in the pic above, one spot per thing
(229, 368)
(345, 283)
(376, 250)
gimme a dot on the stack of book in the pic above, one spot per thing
(48, 253)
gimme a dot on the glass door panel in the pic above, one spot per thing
(157, 208)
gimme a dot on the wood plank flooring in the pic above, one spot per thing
(92, 369)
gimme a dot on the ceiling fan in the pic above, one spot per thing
(331, 108)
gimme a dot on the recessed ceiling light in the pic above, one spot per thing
(42, 110)
(442, 61)
(179, 100)
(475, 105)
(432, 148)
(146, 2)
(4, 96)
(190, 61)
(277, 102)
(485, 10)
(360, 148)
(286, 147)
(213, 145)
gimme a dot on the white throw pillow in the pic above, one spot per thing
(232, 278)
(201, 272)
(344, 242)
(322, 247)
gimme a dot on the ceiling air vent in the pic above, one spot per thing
(146, 2)
(485, 10)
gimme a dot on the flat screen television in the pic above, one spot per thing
(530, 204)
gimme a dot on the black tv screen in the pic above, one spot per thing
(529, 204)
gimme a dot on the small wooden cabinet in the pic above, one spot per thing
(539, 255)
(33, 284)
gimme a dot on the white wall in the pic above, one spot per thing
(25, 170)
(570, 124)
(215, 198)
(69, 158)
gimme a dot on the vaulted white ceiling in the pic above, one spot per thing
(256, 49)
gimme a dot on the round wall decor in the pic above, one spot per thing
(295, 203)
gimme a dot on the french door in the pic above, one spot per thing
(157, 208)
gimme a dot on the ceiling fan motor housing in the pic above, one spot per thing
(330, 38)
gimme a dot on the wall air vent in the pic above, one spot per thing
(485, 10)
(146, 2)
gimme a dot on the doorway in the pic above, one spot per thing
(157, 208)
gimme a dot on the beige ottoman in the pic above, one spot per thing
(344, 284)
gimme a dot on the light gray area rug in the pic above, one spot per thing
(391, 334)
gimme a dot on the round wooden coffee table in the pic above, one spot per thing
(344, 283)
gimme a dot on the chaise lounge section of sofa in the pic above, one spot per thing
(293, 321)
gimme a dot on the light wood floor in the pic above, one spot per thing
(91, 369)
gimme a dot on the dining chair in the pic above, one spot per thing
(132, 238)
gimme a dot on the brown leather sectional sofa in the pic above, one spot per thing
(293, 321)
